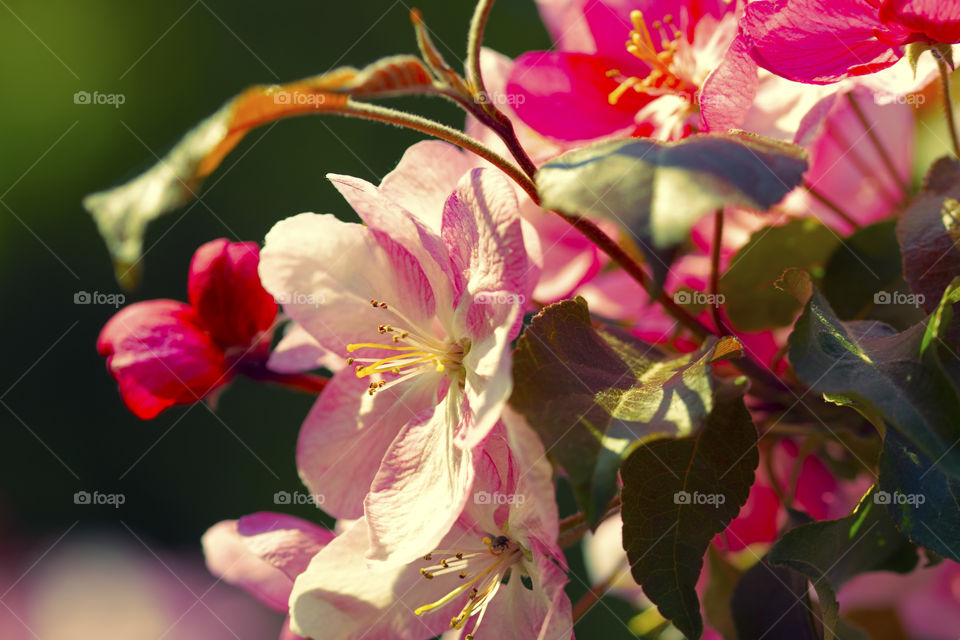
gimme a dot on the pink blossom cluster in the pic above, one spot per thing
(411, 313)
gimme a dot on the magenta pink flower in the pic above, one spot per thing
(263, 553)
(496, 573)
(163, 352)
(423, 300)
(623, 66)
(823, 41)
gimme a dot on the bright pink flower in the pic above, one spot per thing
(818, 493)
(844, 167)
(424, 300)
(496, 573)
(567, 258)
(263, 553)
(163, 352)
(629, 66)
(823, 41)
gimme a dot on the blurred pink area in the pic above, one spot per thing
(112, 586)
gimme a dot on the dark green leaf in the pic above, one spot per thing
(677, 495)
(864, 273)
(751, 300)
(659, 190)
(887, 376)
(591, 392)
(831, 552)
(923, 500)
(928, 232)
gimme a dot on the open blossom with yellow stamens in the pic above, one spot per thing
(623, 66)
(497, 573)
(422, 302)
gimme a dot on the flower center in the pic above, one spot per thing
(479, 572)
(418, 353)
(667, 66)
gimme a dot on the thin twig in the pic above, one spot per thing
(947, 102)
(830, 204)
(877, 144)
(587, 600)
(475, 42)
(715, 271)
(425, 125)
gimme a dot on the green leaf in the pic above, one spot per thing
(929, 230)
(677, 495)
(122, 213)
(831, 552)
(591, 393)
(864, 273)
(884, 375)
(751, 301)
(922, 499)
(658, 190)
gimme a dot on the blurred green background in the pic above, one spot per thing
(64, 426)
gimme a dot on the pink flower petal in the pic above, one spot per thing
(421, 488)
(299, 351)
(565, 95)
(484, 238)
(728, 92)
(160, 356)
(816, 41)
(339, 598)
(263, 553)
(844, 164)
(225, 290)
(416, 231)
(938, 20)
(329, 271)
(543, 612)
(424, 177)
(347, 433)
(565, 22)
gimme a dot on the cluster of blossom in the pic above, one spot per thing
(412, 313)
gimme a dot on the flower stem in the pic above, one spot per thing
(255, 368)
(585, 226)
(947, 103)
(715, 271)
(830, 204)
(482, 107)
(877, 144)
(609, 246)
(591, 597)
(474, 43)
(431, 127)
